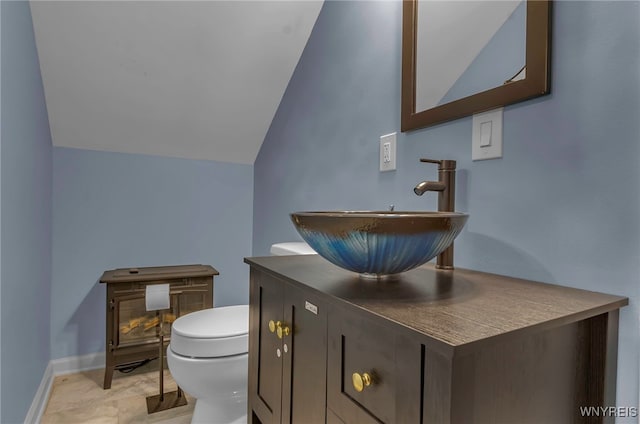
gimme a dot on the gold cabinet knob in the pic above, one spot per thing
(273, 325)
(282, 330)
(360, 381)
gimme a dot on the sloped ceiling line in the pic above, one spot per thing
(196, 80)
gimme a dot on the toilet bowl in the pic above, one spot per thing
(208, 359)
(208, 356)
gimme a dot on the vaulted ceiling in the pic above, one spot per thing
(198, 80)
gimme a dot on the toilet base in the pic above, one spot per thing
(206, 411)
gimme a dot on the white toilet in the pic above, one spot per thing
(208, 356)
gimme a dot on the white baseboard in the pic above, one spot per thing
(57, 367)
(72, 364)
(39, 402)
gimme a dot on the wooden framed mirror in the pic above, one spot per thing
(443, 58)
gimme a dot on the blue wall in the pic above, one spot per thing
(115, 210)
(102, 211)
(26, 216)
(561, 206)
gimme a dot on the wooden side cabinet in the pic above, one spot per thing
(428, 347)
(132, 333)
(287, 353)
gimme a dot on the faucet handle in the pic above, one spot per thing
(447, 165)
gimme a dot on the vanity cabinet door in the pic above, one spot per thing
(287, 353)
(373, 372)
(265, 349)
(304, 379)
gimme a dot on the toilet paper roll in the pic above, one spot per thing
(157, 297)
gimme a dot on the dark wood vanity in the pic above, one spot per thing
(433, 346)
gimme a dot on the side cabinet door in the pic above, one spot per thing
(265, 349)
(305, 358)
(390, 392)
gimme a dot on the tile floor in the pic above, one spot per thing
(80, 398)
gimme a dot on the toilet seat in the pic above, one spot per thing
(212, 333)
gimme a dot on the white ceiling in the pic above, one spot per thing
(197, 80)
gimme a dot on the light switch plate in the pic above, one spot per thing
(388, 152)
(487, 135)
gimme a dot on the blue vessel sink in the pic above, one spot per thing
(378, 244)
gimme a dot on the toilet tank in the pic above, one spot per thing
(292, 248)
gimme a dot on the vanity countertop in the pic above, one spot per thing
(457, 310)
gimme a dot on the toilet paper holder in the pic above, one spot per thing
(158, 298)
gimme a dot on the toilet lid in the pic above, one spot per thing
(212, 333)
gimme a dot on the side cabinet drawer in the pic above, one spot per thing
(332, 418)
(384, 364)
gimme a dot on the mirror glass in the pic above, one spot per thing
(466, 56)
(485, 47)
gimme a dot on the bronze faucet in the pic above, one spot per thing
(446, 188)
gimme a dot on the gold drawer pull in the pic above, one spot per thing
(282, 330)
(360, 381)
(279, 329)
